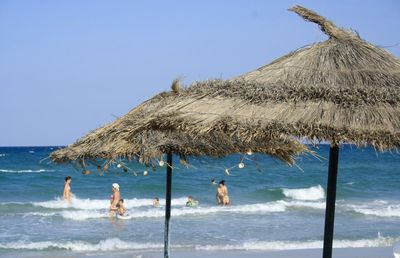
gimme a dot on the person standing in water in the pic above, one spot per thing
(67, 189)
(222, 194)
(115, 197)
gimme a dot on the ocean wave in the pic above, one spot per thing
(294, 245)
(304, 204)
(377, 208)
(310, 194)
(84, 215)
(390, 211)
(178, 212)
(111, 244)
(198, 211)
(83, 209)
(115, 244)
(41, 214)
(26, 171)
(96, 204)
(80, 204)
(2, 154)
(159, 212)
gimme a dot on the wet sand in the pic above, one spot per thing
(373, 252)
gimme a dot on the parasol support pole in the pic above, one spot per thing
(330, 200)
(168, 204)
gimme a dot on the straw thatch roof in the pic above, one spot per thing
(127, 138)
(341, 90)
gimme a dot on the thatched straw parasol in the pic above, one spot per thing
(127, 137)
(342, 90)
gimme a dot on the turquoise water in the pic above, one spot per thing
(274, 206)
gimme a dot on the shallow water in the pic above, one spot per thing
(273, 207)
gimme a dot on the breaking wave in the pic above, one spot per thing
(293, 245)
(26, 171)
(83, 209)
(95, 204)
(377, 208)
(306, 194)
(111, 244)
(115, 244)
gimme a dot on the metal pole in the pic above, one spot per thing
(330, 201)
(168, 204)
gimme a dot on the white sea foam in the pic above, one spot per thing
(390, 211)
(82, 209)
(81, 204)
(111, 244)
(396, 250)
(72, 215)
(247, 209)
(96, 204)
(84, 212)
(377, 208)
(84, 215)
(26, 171)
(310, 194)
(304, 204)
(293, 245)
(41, 214)
(183, 211)
(115, 244)
(258, 208)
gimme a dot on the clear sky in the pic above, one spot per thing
(68, 67)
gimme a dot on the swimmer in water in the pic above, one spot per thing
(191, 202)
(120, 207)
(67, 195)
(156, 202)
(222, 194)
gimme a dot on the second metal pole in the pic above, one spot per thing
(330, 201)
(168, 204)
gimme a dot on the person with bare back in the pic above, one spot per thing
(67, 195)
(115, 197)
(222, 194)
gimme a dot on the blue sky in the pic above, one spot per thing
(68, 67)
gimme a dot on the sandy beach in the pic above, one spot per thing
(376, 252)
(380, 252)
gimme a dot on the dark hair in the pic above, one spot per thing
(67, 178)
(121, 200)
(157, 198)
(222, 182)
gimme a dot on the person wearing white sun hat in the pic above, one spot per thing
(115, 197)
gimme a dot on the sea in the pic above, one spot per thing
(273, 206)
